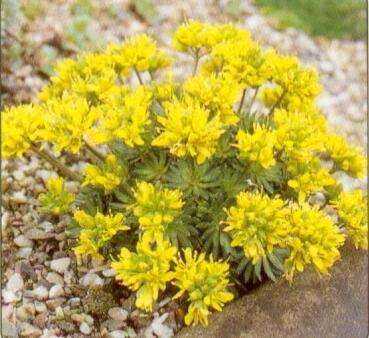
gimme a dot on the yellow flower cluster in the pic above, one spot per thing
(139, 53)
(20, 126)
(96, 231)
(313, 239)
(67, 121)
(188, 129)
(57, 200)
(215, 94)
(156, 207)
(257, 224)
(345, 157)
(90, 77)
(125, 117)
(257, 147)
(352, 209)
(205, 282)
(107, 176)
(148, 270)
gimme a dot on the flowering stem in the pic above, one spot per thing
(253, 98)
(65, 171)
(139, 76)
(242, 101)
(277, 103)
(94, 151)
(197, 58)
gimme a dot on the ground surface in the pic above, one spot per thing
(46, 292)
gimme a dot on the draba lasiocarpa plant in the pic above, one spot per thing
(195, 188)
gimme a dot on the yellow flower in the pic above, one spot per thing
(146, 271)
(345, 157)
(299, 134)
(257, 147)
(215, 94)
(108, 175)
(257, 224)
(205, 282)
(156, 207)
(188, 129)
(19, 125)
(56, 200)
(292, 77)
(313, 239)
(67, 121)
(140, 53)
(308, 177)
(91, 77)
(352, 209)
(125, 119)
(96, 231)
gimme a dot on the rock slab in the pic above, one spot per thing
(334, 306)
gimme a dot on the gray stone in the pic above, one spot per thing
(331, 306)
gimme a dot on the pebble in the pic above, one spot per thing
(38, 234)
(91, 279)
(60, 265)
(118, 313)
(24, 253)
(109, 273)
(19, 197)
(15, 283)
(40, 307)
(56, 291)
(30, 331)
(25, 311)
(54, 278)
(23, 241)
(40, 293)
(85, 328)
(9, 297)
(118, 334)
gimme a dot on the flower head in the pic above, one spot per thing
(67, 121)
(148, 270)
(257, 147)
(257, 224)
(156, 207)
(96, 231)
(188, 129)
(352, 210)
(57, 200)
(20, 125)
(205, 282)
(108, 175)
(345, 157)
(313, 239)
(125, 118)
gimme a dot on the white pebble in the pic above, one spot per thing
(54, 278)
(24, 253)
(15, 283)
(118, 313)
(84, 328)
(60, 265)
(109, 273)
(23, 241)
(56, 291)
(18, 175)
(91, 279)
(9, 296)
(40, 293)
(4, 220)
(19, 197)
(118, 334)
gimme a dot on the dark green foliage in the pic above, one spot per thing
(192, 179)
(154, 167)
(270, 266)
